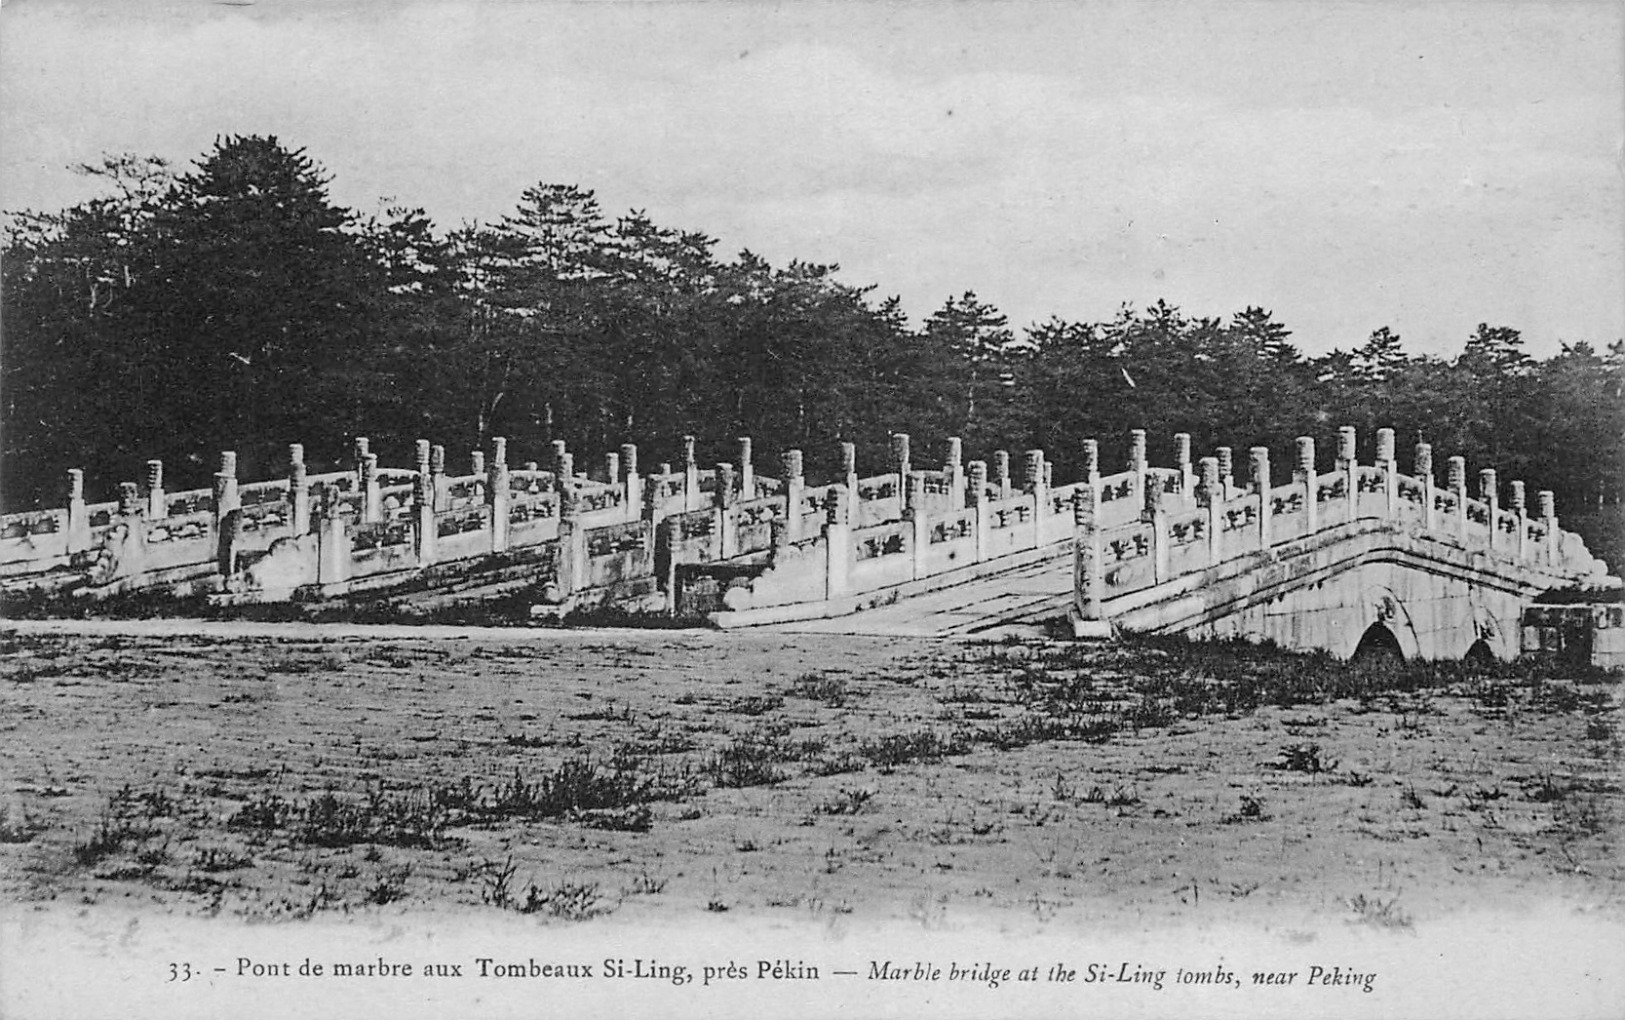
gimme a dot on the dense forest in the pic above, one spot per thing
(234, 305)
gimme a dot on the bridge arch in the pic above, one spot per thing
(1386, 623)
(1378, 644)
(1479, 653)
(1493, 637)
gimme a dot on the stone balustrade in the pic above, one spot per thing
(782, 539)
(1118, 559)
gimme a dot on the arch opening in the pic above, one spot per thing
(1378, 647)
(1479, 655)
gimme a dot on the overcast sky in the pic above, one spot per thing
(1425, 166)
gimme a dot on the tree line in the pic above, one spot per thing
(235, 305)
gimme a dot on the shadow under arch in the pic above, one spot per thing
(1388, 623)
(1378, 646)
(1479, 654)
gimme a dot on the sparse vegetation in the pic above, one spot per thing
(19, 828)
(847, 802)
(567, 901)
(645, 885)
(1303, 758)
(831, 690)
(1379, 913)
(1251, 810)
(1544, 789)
(388, 886)
(751, 760)
(1030, 745)
(754, 705)
(216, 859)
(897, 749)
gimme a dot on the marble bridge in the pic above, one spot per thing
(1361, 557)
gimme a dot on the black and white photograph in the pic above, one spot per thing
(731, 509)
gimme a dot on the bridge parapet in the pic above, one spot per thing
(853, 537)
(208, 538)
(1122, 563)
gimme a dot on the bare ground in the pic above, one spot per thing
(661, 776)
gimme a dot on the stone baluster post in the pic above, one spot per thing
(228, 541)
(423, 460)
(914, 488)
(1548, 519)
(498, 494)
(1155, 513)
(1032, 477)
(1182, 461)
(571, 574)
(1091, 463)
(564, 476)
(372, 506)
(976, 495)
(157, 503)
(1348, 462)
(476, 468)
(1032, 471)
(953, 473)
(747, 470)
(1227, 471)
(333, 549)
(901, 461)
(130, 502)
(1137, 462)
(359, 450)
(298, 491)
(1423, 467)
(1001, 472)
(612, 478)
(437, 475)
(1390, 472)
(849, 474)
(653, 502)
(726, 529)
(1088, 570)
(78, 537)
(558, 450)
(1211, 495)
(919, 534)
(1521, 509)
(225, 489)
(425, 501)
(1347, 446)
(422, 464)
(228, 535)
(1456, 476)
(1489, 492)
(631, 481)
(838, 551)
(794, 493)
(1261, 485)
(1305, 476)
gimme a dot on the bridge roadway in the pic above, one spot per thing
(1021, 600)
